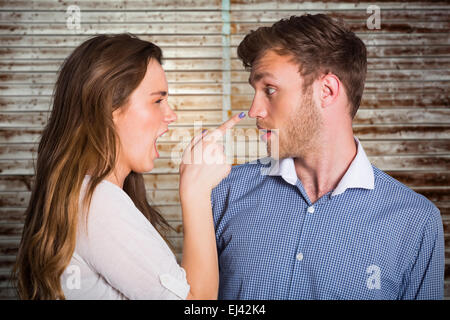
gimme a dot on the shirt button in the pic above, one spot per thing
(299, 256)
(311, 209)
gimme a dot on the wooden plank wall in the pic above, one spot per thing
(403, 122)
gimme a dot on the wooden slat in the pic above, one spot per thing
(372, 75)
(334, 5)
(427, 132)
(180, 64)
(39, 119)
(124, 16)
(370, 87)
(175, 134)
(216, 52)
(404, 27)
(111, 5)
(237, 76)
(7, 262)
(371, 100)
(199, 28)
(372, 51)
(347, 15)
(177, 102)
(402, 147)
(96, 28)
(402, 116)
(169, 149)
(172, 76)
(243, 102)
(400, 87)
(63, 52)
(188, 117)
(215, 5)
(21, 183)
(176, 40)
(70, 40)
(215, 16)
(425, 162)
(175, 88)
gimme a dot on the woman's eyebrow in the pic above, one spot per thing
(160, 93)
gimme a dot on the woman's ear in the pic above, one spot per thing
(329, 89)
(116, 115)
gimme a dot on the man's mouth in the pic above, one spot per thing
(266, 133)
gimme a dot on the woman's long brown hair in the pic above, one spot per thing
(79, 139)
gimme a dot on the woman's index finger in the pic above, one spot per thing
(230, 123)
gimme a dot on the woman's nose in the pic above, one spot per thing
(170, 115)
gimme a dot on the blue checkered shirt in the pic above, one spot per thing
(370, 238)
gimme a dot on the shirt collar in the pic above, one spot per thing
(358, 175)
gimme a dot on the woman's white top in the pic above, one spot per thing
(121, 256)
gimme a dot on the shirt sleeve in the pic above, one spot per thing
(127, 251)
(426, 278)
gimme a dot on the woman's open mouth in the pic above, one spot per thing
(154, 144)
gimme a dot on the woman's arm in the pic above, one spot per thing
(199, 246)
(204, 165)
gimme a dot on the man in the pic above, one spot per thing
(323, 223)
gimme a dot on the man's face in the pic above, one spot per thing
(281, 103)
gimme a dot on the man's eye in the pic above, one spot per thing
(158, 101)
(270, 91)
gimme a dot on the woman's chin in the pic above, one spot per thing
(147, 167)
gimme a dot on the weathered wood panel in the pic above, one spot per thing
(169, 149)
(213, 117)
(216, 4)
(403, 122)
(243, 102)
(215, 16)
(373, 132)
(237, 76)
(177, 102)
(396, 63)
(216, 52)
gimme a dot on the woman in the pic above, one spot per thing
(89, 231)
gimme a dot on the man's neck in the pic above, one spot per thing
(321, 170)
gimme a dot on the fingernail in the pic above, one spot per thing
(204, 131)
(241, 115)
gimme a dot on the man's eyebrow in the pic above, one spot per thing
(258, 76)
(160, 93)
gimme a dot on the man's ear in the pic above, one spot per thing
(330, 87)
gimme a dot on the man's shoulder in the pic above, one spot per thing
(249, 170)
(402, 195)
(242, 178)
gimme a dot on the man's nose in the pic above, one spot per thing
(258, 108)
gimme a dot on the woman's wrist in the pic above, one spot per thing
(192, 192)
